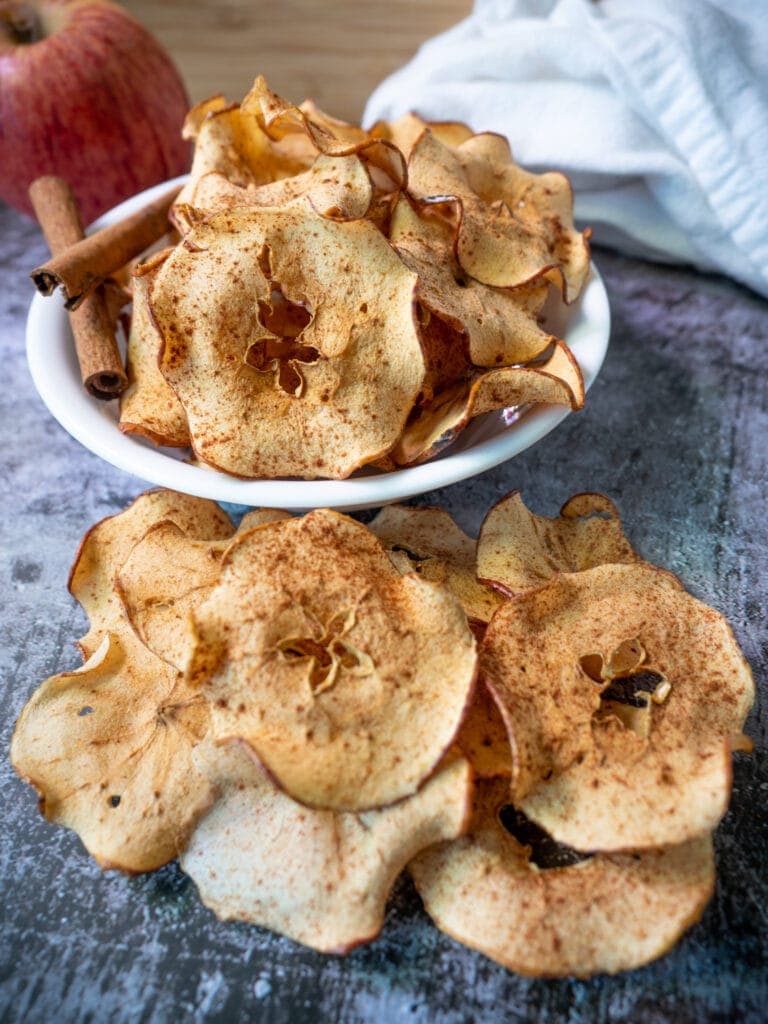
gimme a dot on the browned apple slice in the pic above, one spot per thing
(621, 694)
(346, 679)
(318, 400)
(428, 541)
(602, 914)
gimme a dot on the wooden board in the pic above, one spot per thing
(334, 52)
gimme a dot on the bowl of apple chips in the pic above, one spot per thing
(538, 725)
(345, 316)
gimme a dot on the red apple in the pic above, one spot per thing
(87, 93)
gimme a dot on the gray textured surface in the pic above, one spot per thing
(675, 429)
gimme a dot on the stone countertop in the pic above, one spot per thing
(675, 430)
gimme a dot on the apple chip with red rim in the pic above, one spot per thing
(517, 550)
(512, 228)
(555, 381)
(106, 546)
(542, 204)
(108, 748)
(427, 541)
(501, 325)
(346, 679)
(602, 914)
(320, 877)
(311, 396)
(621, 694)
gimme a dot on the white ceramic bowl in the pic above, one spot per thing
(487, 441)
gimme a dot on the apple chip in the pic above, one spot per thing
(165, 576)
(620, 693)
(603, 914)
(320, 877)
(260, 517)
(279, 117)
(406, 131)
(337, 187)
(149, 406)
(231, 141)
(347, 680)
(106, 546)
(483, 739)
(556, 381)
(427, 541)
(316, 388)
(501, 326)
(108, 748)
(282, 120)
(517, 550)
(542, 203)
(509, 237)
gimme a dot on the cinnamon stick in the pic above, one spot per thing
(84, 265)
(93, 323)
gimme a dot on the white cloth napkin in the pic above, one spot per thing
(656, 109)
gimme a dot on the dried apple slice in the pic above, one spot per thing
(346, 679)
(556, 381)
(282, 120)
(337, 187)
(483, 739)
(231, 141)
(620, 693)
(319, 403)
(164, 577)
(168, 574)
(106, 546)
(149, 406)
(603, 914)
(108, 748)
(428, 541)
(501, 326)
(542, 203)
(499, 242)
(321, 878)
(517, 550)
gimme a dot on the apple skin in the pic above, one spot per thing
(98, 102)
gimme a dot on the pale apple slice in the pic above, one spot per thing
(517, 550)
(513, 236)
(106, 546)
(483, 739)
(427, 541)
(108, 748)
(603, 914)
(337, 187)
(346, 679)
(541, 203)
(501, 325)
(321, 878)
(621, 694)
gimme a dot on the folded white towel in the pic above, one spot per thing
(657, 110)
